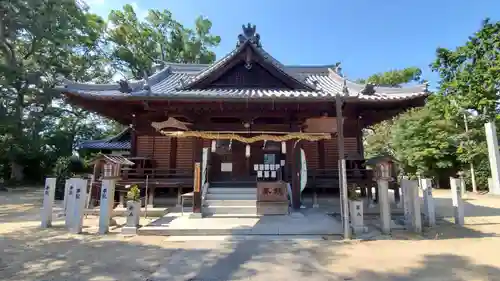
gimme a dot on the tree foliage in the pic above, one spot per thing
(43, 40)
(138, 45)
(394, 78)
(448, 133)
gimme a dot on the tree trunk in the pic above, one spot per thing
(16, 171)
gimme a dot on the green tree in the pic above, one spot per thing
(377, 139)
(470, 83)
(136, 45)
(34, 50)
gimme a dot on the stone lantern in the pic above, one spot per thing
(384, 167)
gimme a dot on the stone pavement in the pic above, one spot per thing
(306, 222)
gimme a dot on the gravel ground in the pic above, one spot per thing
(446, 252)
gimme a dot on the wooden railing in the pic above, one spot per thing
(127, 173)
(327, 178)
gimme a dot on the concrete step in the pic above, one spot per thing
(229, 210)
(231, 203)
(226, 190)
(231, 196)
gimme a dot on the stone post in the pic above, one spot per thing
(417, 214)
(493, 155)
(429, 207)
(356, 215)
(122, 199)
(79, 205)
(458, 205)
(491, 186)
(411, 204)
(405, 188)
(70, 202)
(48, 201)
(107, 204)
(462, 184)
(133, 211)
(385, 205)
(151, 196)
(67, 184)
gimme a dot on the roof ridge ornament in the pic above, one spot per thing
(338, 69)
(345, 89)
(146, 86)
(124, 86)
(249, 34)
(369, 89)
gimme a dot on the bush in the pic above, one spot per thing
(134, 194)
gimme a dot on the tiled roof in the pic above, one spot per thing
(104, 145)
(115, 159)
(327, 84)
(120, 141)
(175, 81)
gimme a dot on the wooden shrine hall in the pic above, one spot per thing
(243, 117)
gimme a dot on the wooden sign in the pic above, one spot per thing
(196, 177)
(320, 125)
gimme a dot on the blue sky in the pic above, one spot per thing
(367, 36)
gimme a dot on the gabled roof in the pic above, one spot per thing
(120, 141)
(178, 81)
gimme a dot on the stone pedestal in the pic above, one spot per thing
(356, 215)
(315, 200)
(107, 204)
(70, 201)
(48, 201)
(79, 205)
(429, 207)
(493, 155)
(385, 207)
(133, 212)
(458, 205)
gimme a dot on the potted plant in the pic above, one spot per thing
(133, 205)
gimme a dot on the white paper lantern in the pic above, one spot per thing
(283, 147)
(247, 151)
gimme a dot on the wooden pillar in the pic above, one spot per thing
(133, 137)
(197, 150)
(296, 167)
(173, 155)
(359, 137)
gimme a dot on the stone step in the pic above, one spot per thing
(231, 203)
(226, 184)
(231, 196)
(236, 190)
(229, 210)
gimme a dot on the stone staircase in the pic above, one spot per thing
(231, 199)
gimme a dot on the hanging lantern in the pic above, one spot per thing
(283, 147)
(214, 146)
(247, 151)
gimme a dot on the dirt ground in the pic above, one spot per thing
(445, 252)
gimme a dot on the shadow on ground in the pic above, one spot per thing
(34, 254)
